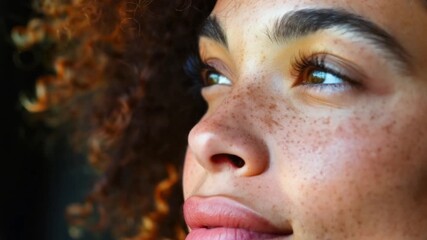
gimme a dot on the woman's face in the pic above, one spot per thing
(317, 122)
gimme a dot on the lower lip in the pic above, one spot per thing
(227, 234)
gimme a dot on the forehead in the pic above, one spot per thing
(402, 19)
(380, 8)
(235, 15)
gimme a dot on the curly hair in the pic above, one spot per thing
(117, 77)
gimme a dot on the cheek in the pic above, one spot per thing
(354, 170)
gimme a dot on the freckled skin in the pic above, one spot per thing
(349, 165)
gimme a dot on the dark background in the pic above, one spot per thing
(39, 174)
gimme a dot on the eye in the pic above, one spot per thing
(313, 75)
(324, 72)
(212, 77)
(203, 74)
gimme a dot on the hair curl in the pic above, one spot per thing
(118, 78)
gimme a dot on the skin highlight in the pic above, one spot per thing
(334, 162)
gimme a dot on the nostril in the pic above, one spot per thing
(236, 161)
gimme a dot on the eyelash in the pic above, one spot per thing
(194, 68)
(203, 74)
(303, 65)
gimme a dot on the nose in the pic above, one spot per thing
(227, 139)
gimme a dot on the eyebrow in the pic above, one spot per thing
(308, 21)
(212, 29)
(300, 23)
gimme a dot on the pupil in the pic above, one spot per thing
(317, 76)
(213, 79)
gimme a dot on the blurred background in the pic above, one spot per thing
(39, 174)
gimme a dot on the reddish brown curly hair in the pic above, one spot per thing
(118, 79)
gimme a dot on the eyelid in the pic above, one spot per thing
(344, 67)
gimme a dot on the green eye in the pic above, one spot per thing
(212, 77)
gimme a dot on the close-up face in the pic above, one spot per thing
(316, 125)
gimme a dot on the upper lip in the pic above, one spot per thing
(223, 212)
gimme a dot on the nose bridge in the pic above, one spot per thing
(232, 129)
(240, 114)
(246, 101)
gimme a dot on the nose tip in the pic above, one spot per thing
(220, 147)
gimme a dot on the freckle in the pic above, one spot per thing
(326, 120)
(272, 106)
(388, 128)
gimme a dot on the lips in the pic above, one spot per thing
(221, 218)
